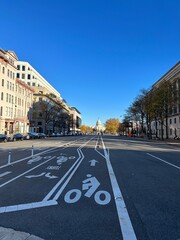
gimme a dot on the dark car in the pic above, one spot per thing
(41, 135)
(18, 136)
(3, 138)
(31, 135)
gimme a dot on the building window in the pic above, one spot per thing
(39, 123)
(29, 76)
(18, 67)
(1, 111)
(29, 83)
(170, 121)
(174, 120)
(18, 75)
(33, 84)
(3, 70)
(2, 82)
(7, 84)
(23, 76)
(170, 131)
(8, 73)
(2, 96)
(23, 68)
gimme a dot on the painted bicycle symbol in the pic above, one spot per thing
(90, 184)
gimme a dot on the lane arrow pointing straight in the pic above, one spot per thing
(93, 162)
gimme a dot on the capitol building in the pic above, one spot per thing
(99, 126)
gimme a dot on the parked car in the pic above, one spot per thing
(41, 135)
(31, 135)
(18, 136)
(3, 138)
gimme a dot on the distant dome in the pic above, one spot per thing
(99, 126)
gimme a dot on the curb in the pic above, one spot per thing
(10, 234)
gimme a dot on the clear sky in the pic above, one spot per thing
(97, 53)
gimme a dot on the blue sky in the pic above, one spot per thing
(97, 53)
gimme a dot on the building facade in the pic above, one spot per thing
(172, 125)
(33, 78)
(75, 125)
(22, 92)
(16, 96)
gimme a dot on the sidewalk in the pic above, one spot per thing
(10, 234)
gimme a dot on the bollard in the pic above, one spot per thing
(32, 152)
(9, 158)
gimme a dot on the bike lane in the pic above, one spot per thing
(87, 203)
(25, 184)
(81, 200)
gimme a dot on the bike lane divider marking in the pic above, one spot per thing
(37, 154)
(124, 219)
(70, 172)
(43, 203)
(22, 174)
(26, 206)
(163, 161)
(4, 174)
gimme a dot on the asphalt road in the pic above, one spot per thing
(91, 187)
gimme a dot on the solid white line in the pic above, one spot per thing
(124, 219)
(37, 154)
(25, 206)
(69, 178)
(4, 174)
(22, 174)
(75, 166)
(60, 181)
(163, 161)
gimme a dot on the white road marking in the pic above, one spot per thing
(48, 175)
(4, 174)
(35, 176)
(45, 202)
(22, 174)
(74, 166)
(72, 170)
(48, 150)
(124, 219)
(25, 206)
(163, 161)
(93, 162)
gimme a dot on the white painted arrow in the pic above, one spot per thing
(50, 176)
(34, 176)
(93, 162)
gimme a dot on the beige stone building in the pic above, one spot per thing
(75, 120)
(22, 91)
(15, 96)
(172, 76)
